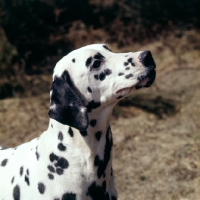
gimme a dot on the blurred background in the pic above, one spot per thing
(156, 130)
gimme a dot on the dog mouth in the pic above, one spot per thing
(147, 80)
(123, 91)
(143, 81)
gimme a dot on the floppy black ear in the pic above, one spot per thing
(66, 104)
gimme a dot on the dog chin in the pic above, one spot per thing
(126, 91)
(123, 91)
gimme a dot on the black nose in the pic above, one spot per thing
(146, 59)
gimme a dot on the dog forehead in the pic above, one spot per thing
(79, 55)
(71, 62)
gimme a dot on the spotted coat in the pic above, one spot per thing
(72, 159)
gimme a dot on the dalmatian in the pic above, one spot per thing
(72, 159)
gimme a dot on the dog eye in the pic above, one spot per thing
(96, 64)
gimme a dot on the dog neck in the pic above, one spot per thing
(93, 138)
(91, 150)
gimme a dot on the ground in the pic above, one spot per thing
(156, 131)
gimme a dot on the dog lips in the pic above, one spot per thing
(123, 91)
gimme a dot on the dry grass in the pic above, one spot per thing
(160, 158)
(154, 158)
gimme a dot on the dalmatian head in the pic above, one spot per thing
(93, 76)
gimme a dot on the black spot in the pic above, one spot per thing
(13, 178)
(51, 125)
(128, 76)
(70, 132)
(51, 176)
(102, 164)
(53, 157)
(51, 168)
(83, 133)
(127, 68)
(37, 155)
(27, 172)
(96, 64)
(96, 192)
(104, 185)
(107, 196)
(21, 170)
(73, 60)
(93, 122)
(120, 74)
(107, 48)
(111, 171)
(16, 193)
(60, 136)
(96, 76)
(69, 196)
(113, 198)
(119, 97)
(133, 64)
(98, 56)
(98, 135)
(96, 160)
(62, 163)
(130, 60)
(107, 72)
(27, 180)
(15, 148)
(4, 162)
(92, 105)
(125, 63)
(102, 76)
(61, 147)
(88, 61)
(89, 89)
(59, 171)
(41, 188)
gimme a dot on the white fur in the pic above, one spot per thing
(80, 151)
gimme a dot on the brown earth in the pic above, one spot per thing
(156, 131)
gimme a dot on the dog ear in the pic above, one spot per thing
(66, 104)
